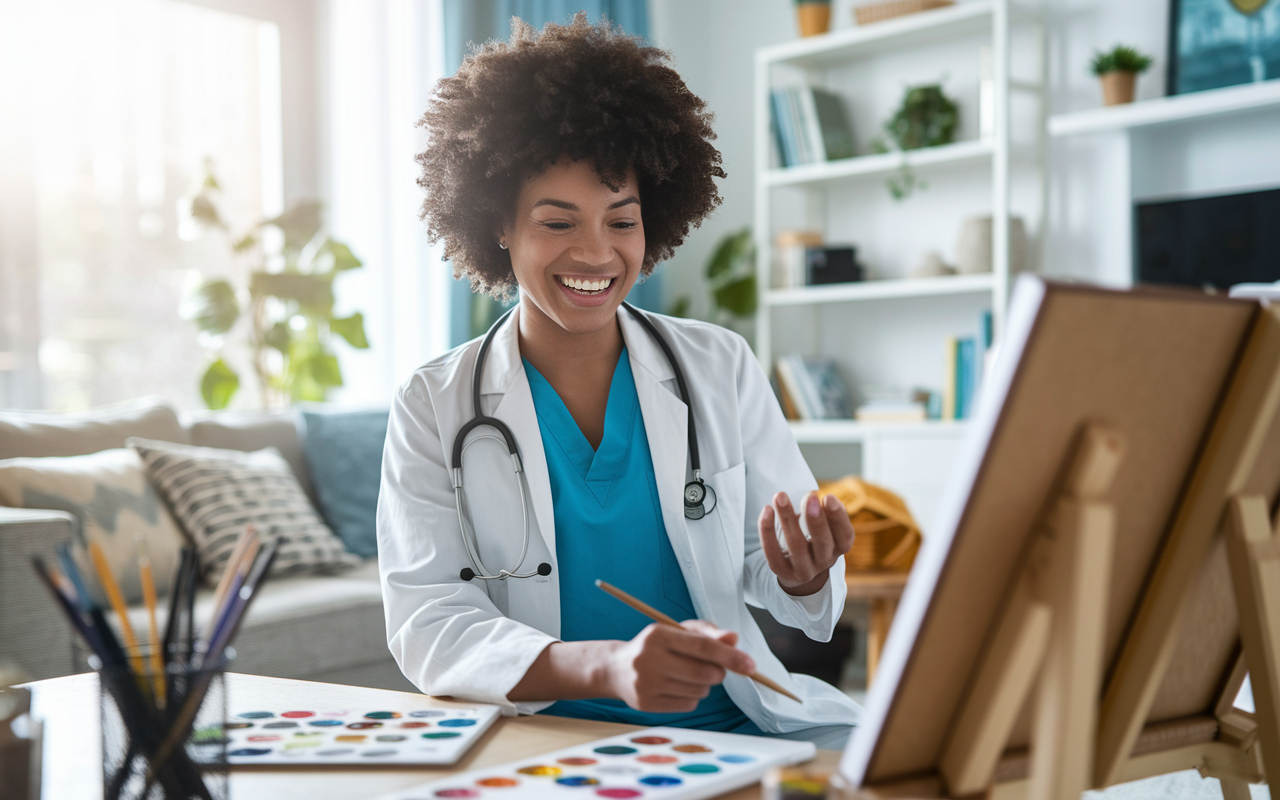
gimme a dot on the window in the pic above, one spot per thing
(109, 109)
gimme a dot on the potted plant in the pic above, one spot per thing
(1117, 69)
(926, 118)
(814, 16)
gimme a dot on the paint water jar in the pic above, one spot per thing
(163, 735)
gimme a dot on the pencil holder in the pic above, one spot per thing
(170, 747)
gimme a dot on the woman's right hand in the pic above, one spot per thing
(665, 669)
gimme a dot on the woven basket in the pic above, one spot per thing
(886, 535)
(877, 12)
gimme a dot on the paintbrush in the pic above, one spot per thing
(662, 619)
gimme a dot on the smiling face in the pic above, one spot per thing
(576, 247)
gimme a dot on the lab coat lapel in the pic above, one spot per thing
(504, 377)
(666, 421)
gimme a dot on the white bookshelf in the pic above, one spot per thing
(984, 162)
(1168, 110)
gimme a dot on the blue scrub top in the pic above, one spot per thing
(609, 526)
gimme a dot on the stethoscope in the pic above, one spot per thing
(696, 492)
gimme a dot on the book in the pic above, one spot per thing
(810, 126)
(966, 376)
(949, 379)
(878, 411)
(787, 154)
(835, 133)
(830, 390)
(789, 383)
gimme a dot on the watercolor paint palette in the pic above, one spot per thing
(666, 763)
(353, 736)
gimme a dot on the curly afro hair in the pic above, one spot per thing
(582, 92)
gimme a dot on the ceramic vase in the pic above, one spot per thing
(973, 246)
(814, 18)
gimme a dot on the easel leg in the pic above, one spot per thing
(1066, 713)
(1254, 554)
(1234, 789)
(881, 617)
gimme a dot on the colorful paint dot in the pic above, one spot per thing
(426, 714)
(660, 780)
(615, 750)
(698, 769)
(657, 759)
(733, 758)
(307, 735)
(576, 761)
(456, 723)
(298, 714)
(498, 783)
(342, 713)
(364, 726)
(457, 793)
(383, 753)
(279, 725)
(324, 723)
(618, 793)
(441, 735)
(540, 770)
(577, 780)
(382, 715)
(335, 752)
(264, 738)
(250, 751)
(391, 738)
(256, 715)
(303, 744)
(415, 724)
(352, 737)
(691, 748)
(235, 726)
(651, 740)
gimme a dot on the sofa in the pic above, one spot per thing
(322, 628)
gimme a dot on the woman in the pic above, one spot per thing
(567, 164)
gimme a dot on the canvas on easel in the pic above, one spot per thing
(1079, 591)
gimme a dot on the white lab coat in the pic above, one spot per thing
(475, 640)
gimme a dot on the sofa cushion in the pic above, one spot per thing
(344, 455)
(109, 495)
(250, 430)
(216, 494)
(33, 434)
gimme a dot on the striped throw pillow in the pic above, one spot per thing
(215, 494)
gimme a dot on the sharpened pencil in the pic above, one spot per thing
(109, 585)
(662, 619)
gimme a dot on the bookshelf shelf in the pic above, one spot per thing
(874, 166)
(843, 431)
(880, 290)
(1168, 110)
(863, 40)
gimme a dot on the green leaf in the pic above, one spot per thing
(722, 260)
(680, 308)
(343, 258)
(278, 336)
(212, 307)
(299, 224)
(245, 243)
(738, 297)
(352, 329)
(218, 385)
(312, 372)
(204, 211)
(312, 292)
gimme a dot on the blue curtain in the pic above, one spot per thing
(476, 21)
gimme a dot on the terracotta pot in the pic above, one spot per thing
(1117, 87)
(814, 18)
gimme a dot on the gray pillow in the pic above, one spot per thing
(215, 494)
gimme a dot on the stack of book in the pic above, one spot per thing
(965, 363)
(810, 126)
(810, 389)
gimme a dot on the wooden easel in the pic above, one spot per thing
(1050, 633)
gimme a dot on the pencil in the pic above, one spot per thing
(662, 619)
(149, 597)
(116, 599)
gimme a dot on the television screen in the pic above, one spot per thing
(1209, 241)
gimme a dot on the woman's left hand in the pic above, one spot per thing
(802, 568)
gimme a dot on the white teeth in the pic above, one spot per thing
(586, 286)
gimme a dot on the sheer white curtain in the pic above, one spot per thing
(384, 58)
(108, 110)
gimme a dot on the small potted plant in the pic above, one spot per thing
(814, 16)
(1117, 69)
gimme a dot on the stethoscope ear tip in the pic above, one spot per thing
(467, 574)
(544, 569)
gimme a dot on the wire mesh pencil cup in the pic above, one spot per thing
(174, 752)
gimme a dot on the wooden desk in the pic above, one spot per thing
(882, 589)
(73, 760)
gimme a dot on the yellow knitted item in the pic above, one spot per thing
(886, 535)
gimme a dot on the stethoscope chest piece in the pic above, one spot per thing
(695, 498)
